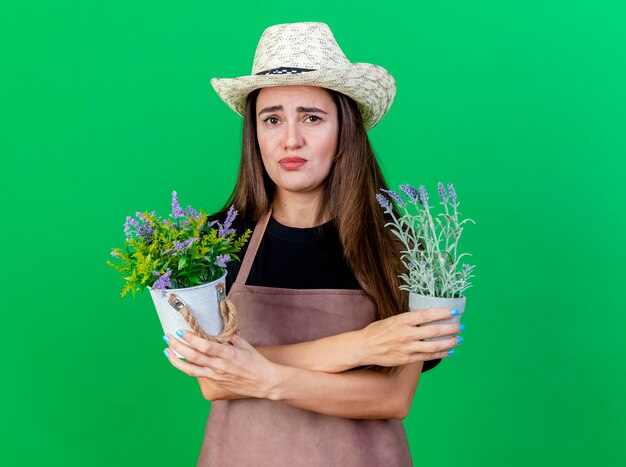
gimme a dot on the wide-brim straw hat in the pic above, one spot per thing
(307, 53)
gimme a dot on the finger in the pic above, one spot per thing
(436, 355)
(205, 346)
(196, 356)
(188, 368)
(417, 317)
(437, 346)
(423, 357)
(427, 330)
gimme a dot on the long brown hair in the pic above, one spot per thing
(371, 250)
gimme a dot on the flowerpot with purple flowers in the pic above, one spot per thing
(433, 276)
(182, 262)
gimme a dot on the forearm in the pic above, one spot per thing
(320, 366)
(352, 394)
(276, 354)
(212, 392)
(361, 394)
(332, 354)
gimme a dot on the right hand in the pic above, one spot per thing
(398, 341)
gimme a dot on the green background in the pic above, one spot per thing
(107, 108)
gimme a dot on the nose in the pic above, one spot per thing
(292, 137)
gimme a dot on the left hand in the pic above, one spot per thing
(238, 368)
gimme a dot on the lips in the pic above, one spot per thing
(292, 163)
(287, 160)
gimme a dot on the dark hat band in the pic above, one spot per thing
(284, 70)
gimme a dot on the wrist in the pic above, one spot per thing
(357, 348)
(281, 375)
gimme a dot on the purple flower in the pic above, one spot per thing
(452, 192)
(176, 209)
(127, 228)
(442, 192)
(422, 196)
(384, 202)
(162, 282)
(221, 260)
(130, 222)
(409, 191)
(146, 229)
(192, 212)
(180, 246)
(395, 196)
(226, 228)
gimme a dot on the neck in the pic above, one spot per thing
(297, 209)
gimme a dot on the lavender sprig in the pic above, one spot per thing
(192, 212)
(422, 196)
(176, 209)
(442, 192)
(221, 260)
(384, 202)
(146, 228)
(410, 192)
(143, 230)
(180, 246)
(452, 192)
(127, 226)
(431, 270)
(226, 228)
(163, 282)
(396, 197)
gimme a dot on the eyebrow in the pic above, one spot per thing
(298, 109)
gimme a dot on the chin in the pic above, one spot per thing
(297, 185)
(299, 188)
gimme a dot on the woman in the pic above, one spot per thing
(326, 362)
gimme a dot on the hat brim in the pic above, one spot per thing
(371, 86)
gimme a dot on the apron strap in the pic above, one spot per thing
(253, 247)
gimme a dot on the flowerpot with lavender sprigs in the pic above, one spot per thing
(182, 262)
(203, 301)
(433, 277)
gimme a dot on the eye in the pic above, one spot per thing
(314, 117)
(271, 120)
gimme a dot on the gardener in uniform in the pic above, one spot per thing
(328, 357)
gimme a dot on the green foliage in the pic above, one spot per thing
(183, 251)
(430, 253)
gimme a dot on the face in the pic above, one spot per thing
(297, 131)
